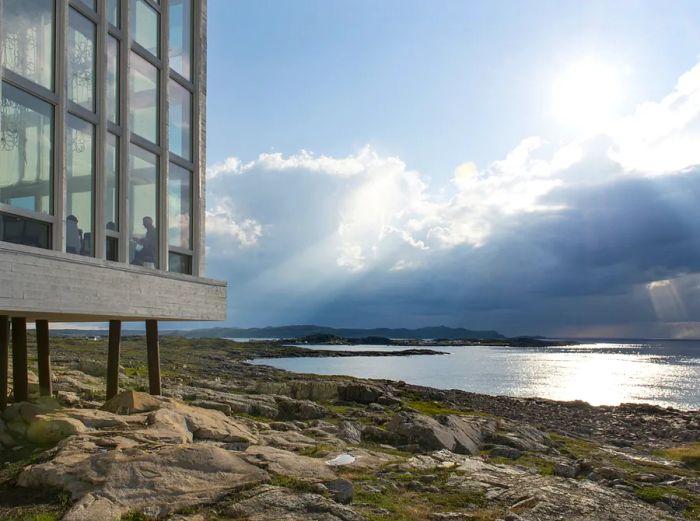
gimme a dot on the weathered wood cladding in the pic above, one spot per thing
(56, 286)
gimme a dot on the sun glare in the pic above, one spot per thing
(587, 95)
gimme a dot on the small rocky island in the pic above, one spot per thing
(236, 441)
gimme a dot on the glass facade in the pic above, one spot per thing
(143, 207)
(145, 23)
(143, 98)
(180, 37)
(28, 39)
(180, 120)
(81, 60)
(127, 143)
(111, 195)
(112, 79)
(26, 151)
(80, 186)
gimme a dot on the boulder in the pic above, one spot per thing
(463, 435)
(130, 402)
(166, 426)
(523, 437)
(341, 490)
(291, 409)
(350, 432)
(285, 463)
(360, 393)
(268, 503)
(208, 424)
(108, 484)
(49, 429)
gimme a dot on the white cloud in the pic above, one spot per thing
(324, 223)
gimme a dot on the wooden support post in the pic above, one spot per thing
(4, 359)
(115, 333)
(153, 356)
(20, 384)
(44, 357)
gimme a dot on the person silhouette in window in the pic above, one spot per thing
(146, 253)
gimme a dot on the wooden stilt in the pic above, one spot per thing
(153, 356)
(4, 359)
(20, 384)
(115, 333)
(44, 357)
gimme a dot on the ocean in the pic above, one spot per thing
(665, 373)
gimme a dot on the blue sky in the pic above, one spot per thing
(404, 163)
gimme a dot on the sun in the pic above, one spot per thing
(587, 95)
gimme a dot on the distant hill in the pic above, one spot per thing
(442, 332)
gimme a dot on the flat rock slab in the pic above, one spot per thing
(285, 463)
(108, 484)
(269, 503)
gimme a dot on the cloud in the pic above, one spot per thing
(598, 234)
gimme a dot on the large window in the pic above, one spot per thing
(143, 100)
(111, 197)
(180, 37)
(145, 22)
(143, 207)
(180, 120)
(179, 207)
(81, 60)
(21, 230)
(112, 79)
(27, 39)
(80, 182)
(26, 152)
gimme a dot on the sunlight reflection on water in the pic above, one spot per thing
(662, 373)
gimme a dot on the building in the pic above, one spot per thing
(102, 171)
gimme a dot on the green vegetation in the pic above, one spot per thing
(294, 484)
(688, 454)
(541, 465)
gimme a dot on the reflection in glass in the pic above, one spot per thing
(26, 152)
(179, 207)
(111, 200)
(80, 180)
(144, 26)
(113, 79)
(27, 42)
(180, 37)
(29, 232)
(81, 60)
(113, 12)
(180, 120)
(179, 263)
(143, 207)
(143, 98)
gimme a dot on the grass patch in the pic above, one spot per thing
(293, 484)
(433, 408)
(541, 465)
(688, 454)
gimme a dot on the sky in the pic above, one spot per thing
(525, 166)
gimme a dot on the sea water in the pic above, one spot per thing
(665, 373)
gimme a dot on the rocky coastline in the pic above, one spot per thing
(236, 441)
